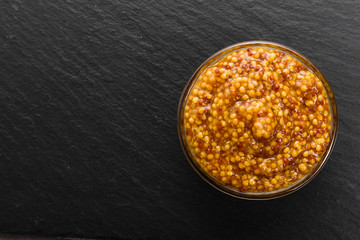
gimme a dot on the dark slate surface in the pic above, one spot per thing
(88, 99)
(32, 237)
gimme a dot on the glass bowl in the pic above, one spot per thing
(256, 195)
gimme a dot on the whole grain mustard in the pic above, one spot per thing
(257, 120)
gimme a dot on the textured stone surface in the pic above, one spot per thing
(88, 100)
(32, 237)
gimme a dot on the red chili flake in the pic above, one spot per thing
(255, 166)
(222, 132)
(227, 67)
(201, 145)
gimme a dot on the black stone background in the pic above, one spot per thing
(88, 98)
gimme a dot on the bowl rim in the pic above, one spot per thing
(258, 195)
